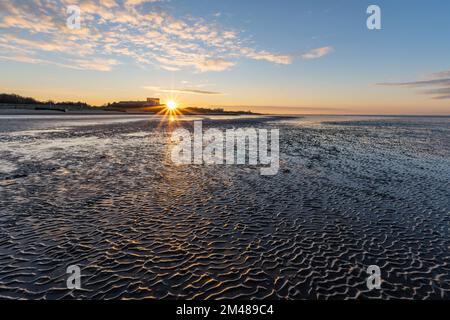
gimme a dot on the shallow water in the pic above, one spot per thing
(103, 194)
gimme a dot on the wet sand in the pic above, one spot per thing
(351, 192)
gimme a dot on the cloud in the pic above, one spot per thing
(214, 65)
(123, 32)
(441, 74)
(438, 91)
(267, 56)
(317, 53)
(440, 87)
(96, 64)
(183, 91)
(425, 83)
(22, 58)
(445, 97)
(439, 94)
(139, 2)
(79, 64)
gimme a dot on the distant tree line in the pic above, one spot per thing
(16, 99)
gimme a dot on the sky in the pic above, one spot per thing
(271, 56)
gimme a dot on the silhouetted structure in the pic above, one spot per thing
(150, 102)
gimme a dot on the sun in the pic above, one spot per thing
(170, 112)
(171, 105)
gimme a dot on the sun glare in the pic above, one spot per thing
(170, 112)
(171, 105)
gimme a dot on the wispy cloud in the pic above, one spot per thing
(317, 53)
(440, 87)
(78, 64)
(138, 2)
(182, 91)
(267, 56)
(439, 94)
(434, 82)
(96, 64)
(441, 74)
(115, 32)
(214, 65)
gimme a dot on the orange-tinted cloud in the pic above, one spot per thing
(112, 31)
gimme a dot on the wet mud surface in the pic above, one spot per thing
(107, 197)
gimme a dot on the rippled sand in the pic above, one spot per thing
(350, 193)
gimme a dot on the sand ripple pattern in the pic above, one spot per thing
(108, 198)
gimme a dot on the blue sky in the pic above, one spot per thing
(270, 56)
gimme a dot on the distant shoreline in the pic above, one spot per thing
(45, 109)
(29, 109)
(17, 102)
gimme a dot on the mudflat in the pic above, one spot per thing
(103, 193)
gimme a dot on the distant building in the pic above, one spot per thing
(154, 101)
(151, 102)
